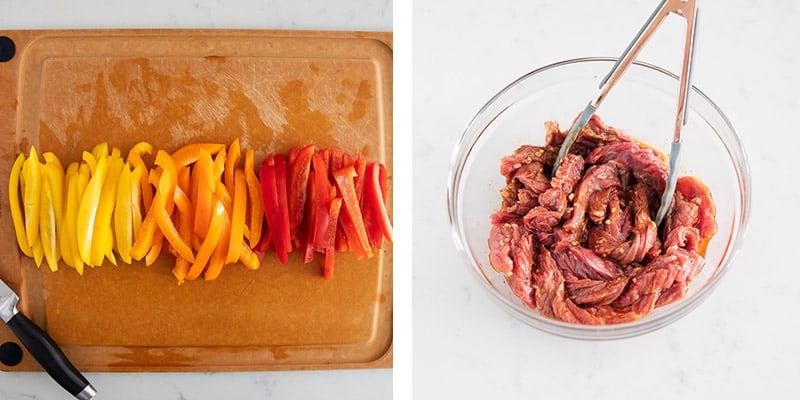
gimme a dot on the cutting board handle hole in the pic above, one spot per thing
(10, 354)
(7, 48)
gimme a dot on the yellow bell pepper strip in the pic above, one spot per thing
(204, 195)
(297, 189)
(237, 217)
(54, 170)
(90, 161)
(248, 257)
(103, 236)
(351, 219)
(31, 199)
(87, 212)
(190, 153)
(165, 195)
(135, 159)
(135, 195)
(81, 181)
(64, 242)
(123, 218)
(234, 154)
(209, 243)
(254, 196)
(217, 260)
(333, 217)
(47, 224)
(38, 252)
(16, 210)
(100, 150)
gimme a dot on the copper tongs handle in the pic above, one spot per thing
(686, 9)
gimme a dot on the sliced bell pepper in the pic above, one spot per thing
(47, 224)
(135, 159)
(204, 195)
(64, 239)
(299, 170)
(209, 243)
(234, 154)
(164, 197)
(103, 237)
(333, 217)
(31, 199)
(190, 153)
(217, 260)
(16, 210)
(352, 222)
(273, 181)
(249, 258)
(255, 199)
(237, 217)
(311, 218)
(87, 212)
(123, 218)
(376, 200)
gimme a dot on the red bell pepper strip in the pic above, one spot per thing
(310, 217)
(298, 185)
(272, 205)
(281, 176)
(374, 232)
(333, 217)
(352, 221)
(323, 194)
(374, 196)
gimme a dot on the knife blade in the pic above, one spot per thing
(43, 348)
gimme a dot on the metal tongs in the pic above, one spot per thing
(688, 10)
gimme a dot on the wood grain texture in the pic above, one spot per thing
(65, 91)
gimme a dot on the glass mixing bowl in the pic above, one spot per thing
(643, 105)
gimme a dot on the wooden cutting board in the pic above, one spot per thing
(65, 91)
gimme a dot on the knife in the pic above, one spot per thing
(42, 347)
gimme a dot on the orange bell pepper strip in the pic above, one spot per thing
(209, 243)
(234, 154)
(217, 260)
(155, 249)
(190, 153)
(237, 217)
(165, 195)
(184, 225)
(352, 221)
(16, 209)
(31, 200)
(255, 199)
(204, 195)
(299, 170)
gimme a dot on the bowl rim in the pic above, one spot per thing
(598, 332)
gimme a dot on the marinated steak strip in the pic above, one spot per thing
(582, 247)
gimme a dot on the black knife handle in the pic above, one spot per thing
(48, 354)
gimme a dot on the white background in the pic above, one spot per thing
(742, 342)
(365, 15)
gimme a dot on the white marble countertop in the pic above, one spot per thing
(741, 343)
(364, 15)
